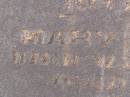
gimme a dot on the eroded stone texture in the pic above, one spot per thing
(64, 48)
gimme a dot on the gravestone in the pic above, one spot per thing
(64, 48)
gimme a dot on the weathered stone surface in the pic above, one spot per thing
(64, 48)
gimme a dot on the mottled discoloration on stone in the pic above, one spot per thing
(64, 48)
